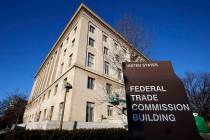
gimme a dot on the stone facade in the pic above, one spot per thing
(88, 55)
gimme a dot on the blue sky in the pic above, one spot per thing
(28, 29)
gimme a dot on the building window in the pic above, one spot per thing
(92, 29)
(104, 38)
(72, 43)
(64, 53)
(40, 100)
(56, 89)
(67, 40)
(70, 59)
(60, 110)
(43, 98)
(49, 94)
(106, 51)
(39, 115)
(51, 112)
(109, 110)
(62, 67)
(124, 51)
(108, 89)
(89, 112)
(65, 81)
(106, 67)
(119, 73)
(117, 58)
(90, 83)
(44, 115)
(90, 62)
(55, 53)
(91, 42)
(75, 29)
(115, 45)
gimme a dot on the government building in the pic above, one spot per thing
(88, 55)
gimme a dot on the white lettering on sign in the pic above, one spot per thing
(154, 117)
(149, 94)
(147, 89)
(144, 97)
(146, 65)
(160, 107)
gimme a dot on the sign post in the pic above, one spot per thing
(157, 104)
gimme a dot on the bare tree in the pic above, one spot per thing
(12, 108)
(116, 55)
(134, 32)
(197, 86)
(115, 97)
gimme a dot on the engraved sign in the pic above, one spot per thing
(157, 104)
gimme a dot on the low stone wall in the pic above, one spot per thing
(44, 125)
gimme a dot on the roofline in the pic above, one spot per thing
(82, 6)
(64, 30)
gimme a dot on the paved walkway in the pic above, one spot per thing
(206, 136)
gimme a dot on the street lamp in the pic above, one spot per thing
(67, 87)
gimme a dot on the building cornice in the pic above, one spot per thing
(83, 68)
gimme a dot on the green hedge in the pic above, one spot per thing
(80, 134)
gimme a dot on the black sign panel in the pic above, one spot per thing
(157, 103)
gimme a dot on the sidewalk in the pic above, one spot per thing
(206, 136)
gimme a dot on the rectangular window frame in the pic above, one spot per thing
(115, 45)
(119, 71)
(91, 42)
(51, 112)
(64, 52)
(73, 43)
(62, 65)
(109, 110)
(90, 83)
(106, 51)
(108, 88)
(49, 92)
(106, 67)
(70, 59)
(39, 116)
(56, 89)
(90, 108)
(92, 29)
(104, 38)
(75, 29)
(44, 115)
(91, 60)
(43, 97)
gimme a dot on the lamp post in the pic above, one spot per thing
(67, 87)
